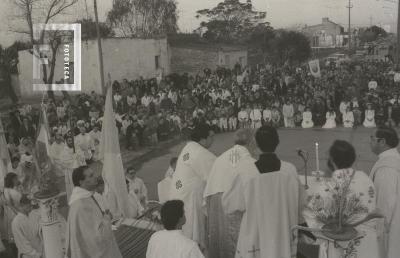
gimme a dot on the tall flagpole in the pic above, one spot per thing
(398, 35)
(101, 67)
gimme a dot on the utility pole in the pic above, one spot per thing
(349, 7)
(398, 36)
(370, 21)
(101, 67)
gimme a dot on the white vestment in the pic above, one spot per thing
(222, 229)
(270, 204)
(369, 120)
(164, 188)
(223, 171)
(386, 177)
(138, 188)
(89, 233)
(26, 237)
(330, 120)
(56, 151)
(172, 243)
(188, 182)
(84, 143)
(307, 120)
(348, 119)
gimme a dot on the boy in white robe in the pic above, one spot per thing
(348, 118)
(89, 232)
(223, 229)
(267, 191)
(84, 143)
(386, 177)
(256, 117)
(171, 242)
(27, 239)
(243, 118)
(307, 119)
(190, 177)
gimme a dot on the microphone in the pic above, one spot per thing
(301, 153)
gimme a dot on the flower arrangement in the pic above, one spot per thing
(338, 208)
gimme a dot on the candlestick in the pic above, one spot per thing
(317, 158)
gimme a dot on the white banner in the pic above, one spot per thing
(314, 68)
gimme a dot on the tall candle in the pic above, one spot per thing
(317, 157)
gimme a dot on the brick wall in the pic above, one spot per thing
(192, 60)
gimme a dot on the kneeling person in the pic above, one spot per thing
(171, 242)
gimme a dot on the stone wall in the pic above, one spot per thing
(122, 58)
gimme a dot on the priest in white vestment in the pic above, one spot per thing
(386, 177)
(171, 242)
(26, 236)
(190, 177)
(137, 186)
(223, 229)
(164, 186)
(267, 191)
(89, 232)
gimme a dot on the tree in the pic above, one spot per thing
(144, 18)
(89, 29)
(372, 34)
(231, 20)
(288, 46)
(8, 66)
(43, 12)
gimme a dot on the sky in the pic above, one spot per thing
(280, 13)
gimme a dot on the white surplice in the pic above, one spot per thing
(26, 237)
(193, 167)
(172, 243)
(386, 177)
(270, 204)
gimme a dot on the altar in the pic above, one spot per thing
(363, 244)
(133, 236)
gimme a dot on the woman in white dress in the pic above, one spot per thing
(359, 208)
(12, 195)
(348, 118)
(330, 119)
(307, 119)
(369, 120)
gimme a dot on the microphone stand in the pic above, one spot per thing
(305, 159)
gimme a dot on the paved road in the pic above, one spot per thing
(153, 171)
